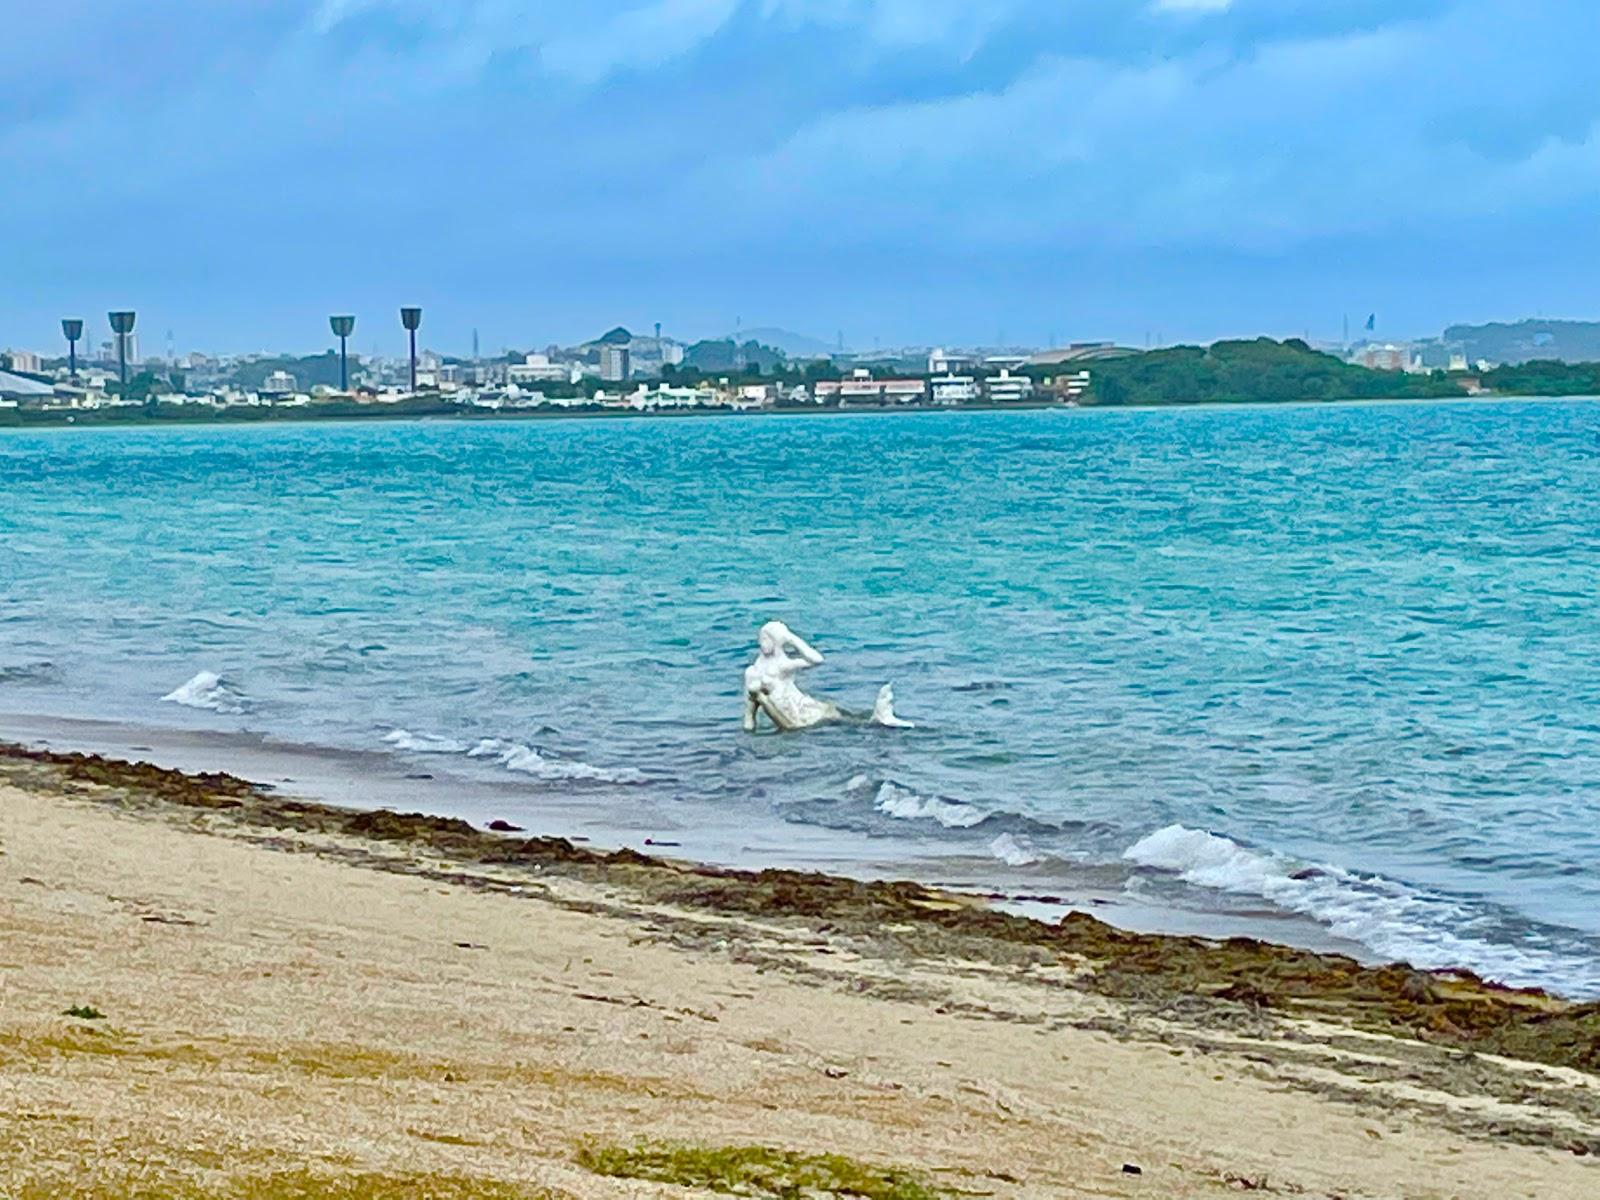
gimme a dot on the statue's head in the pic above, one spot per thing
(773, 637)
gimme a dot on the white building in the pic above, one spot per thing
(953, 389)
(942, 362)
(537, 368)
(757, 395)
(862, 388)
(1072, 386)
(25, 360)
(665, 396)
(279, 384)
(1006, 388)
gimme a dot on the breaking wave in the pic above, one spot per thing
(1015, 851)
(515, 756)
(209, 691)
(1389, 918)
(903, 804)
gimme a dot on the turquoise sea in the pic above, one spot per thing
(1339, 664)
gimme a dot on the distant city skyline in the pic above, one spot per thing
(898, 171)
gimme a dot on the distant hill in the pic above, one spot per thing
(1528, 341)
(795, 345)
(726, 355)
(1262, 371)
(308, 371)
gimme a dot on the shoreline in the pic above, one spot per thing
(270, 996)
(1455, 1002)
(375, 778)
(67, 419)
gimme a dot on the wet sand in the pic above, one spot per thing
(279, 997)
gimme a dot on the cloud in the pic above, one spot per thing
(1350, 134)
(297, 143)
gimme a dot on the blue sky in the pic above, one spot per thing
(895, 170)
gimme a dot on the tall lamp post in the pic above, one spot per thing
(343, 327)
(122, 327)
(73, 328)
(411, 318)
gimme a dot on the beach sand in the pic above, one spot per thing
(284, 999)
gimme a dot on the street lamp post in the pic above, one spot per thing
(73, 328)
(411, 318)
(343, 327)
(122, 327)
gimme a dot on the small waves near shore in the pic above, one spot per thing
(1389, 918)
(514, 756)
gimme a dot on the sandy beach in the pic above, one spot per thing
(277, 998)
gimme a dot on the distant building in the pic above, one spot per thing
(1387, 357)
(664, 396)
(757, 395)
(1069, 387)
(24, 360)
(1077, 352)
(1458, 362)
(279, 383)
(861, 388)
(129, 340)
(615, 364)
(1006, 362)
(942, 362)
(1006, 388)
(537, 368)
(953, 389)
(15, 389)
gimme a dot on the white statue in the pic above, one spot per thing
(769, 686)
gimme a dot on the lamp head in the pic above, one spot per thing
(411, 318)
(72, 327)
(343, 327)
(121, 322)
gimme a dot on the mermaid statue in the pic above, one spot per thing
(770, 687)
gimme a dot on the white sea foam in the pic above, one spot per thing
(513, 756)
(1389, 918)
(208, 690)
(903, 804)
(1014, 851)
(528, 760)
(425, 743)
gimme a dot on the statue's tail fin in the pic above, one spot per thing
(883, 711)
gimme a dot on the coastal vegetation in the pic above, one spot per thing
(1545, 378)
(1257, 371)
(759, 1172)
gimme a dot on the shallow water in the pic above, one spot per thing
(1332, 661)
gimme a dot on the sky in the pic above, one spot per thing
(886, 171)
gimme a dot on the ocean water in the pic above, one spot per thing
(1336, 663)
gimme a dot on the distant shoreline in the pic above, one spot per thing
(91, 419)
